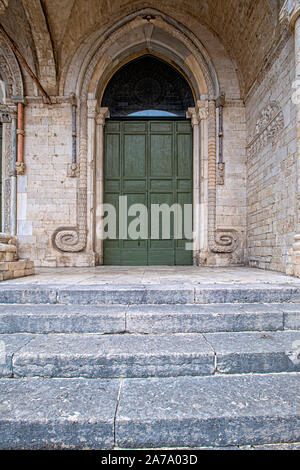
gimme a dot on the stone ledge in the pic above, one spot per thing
(16, 269)
(10, 266)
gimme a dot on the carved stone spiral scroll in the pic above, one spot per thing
(66, 239)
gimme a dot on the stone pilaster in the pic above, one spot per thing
(195, 121)
(103, 114)
(290, 14)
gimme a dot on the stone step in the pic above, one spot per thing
(189, 318)
(191, 293)
(183, 412)
(131, 355)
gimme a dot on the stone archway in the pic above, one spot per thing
(13, 93)
(151, 32)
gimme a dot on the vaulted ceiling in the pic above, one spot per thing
(48, 32)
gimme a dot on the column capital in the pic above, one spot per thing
(193, 115)
(101, 116)
(92, 109)
(202, 109)
(290, 12)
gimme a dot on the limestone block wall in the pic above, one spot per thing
(231, 197)
(271, 170)
(46, 196)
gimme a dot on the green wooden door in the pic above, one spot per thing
(149, 162)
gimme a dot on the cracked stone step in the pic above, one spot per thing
(188, 318)
(195, 412)
(253, 352)
(188, 293)
(105, 356)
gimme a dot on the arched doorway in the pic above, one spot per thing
(148, 165)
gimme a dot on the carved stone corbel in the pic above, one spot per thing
(20, 168)
(73, 170)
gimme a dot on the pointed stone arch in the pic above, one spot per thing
(147, 31)
(11, 76)
(43, 44)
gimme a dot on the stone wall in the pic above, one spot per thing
(46, 196)
(231, 197)
(271, 170)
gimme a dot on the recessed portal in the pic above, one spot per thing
(148, 166)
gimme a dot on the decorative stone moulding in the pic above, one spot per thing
(221, 174)
(73, 170)
(268, 125)
(5, 114)
(20, 168)
(290, 12)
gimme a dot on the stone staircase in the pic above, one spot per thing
(149, 366)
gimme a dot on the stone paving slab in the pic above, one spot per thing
(57, 413)
(99, 356)
(10, 345)
(209, 411)
(62, 318)
(252, 352)
(154, 274)
(203, 318)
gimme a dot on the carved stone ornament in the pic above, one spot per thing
(73, 170)
(221, 174)
(20, 168)
(290, 12)
(268, 125)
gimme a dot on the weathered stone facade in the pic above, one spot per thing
(248, 201)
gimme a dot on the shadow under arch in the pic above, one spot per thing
(147, 83)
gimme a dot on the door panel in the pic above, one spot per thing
(150, 162)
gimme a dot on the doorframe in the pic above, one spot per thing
(96, 121)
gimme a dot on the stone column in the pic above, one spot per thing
(100, 121)
(193, 114)
(92, 114)
(203, 116)
(13, 174)
(290, 14)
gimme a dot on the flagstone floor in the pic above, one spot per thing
(153, 275)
